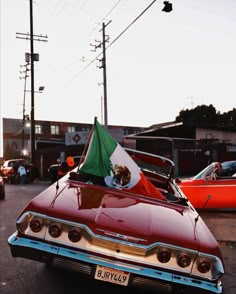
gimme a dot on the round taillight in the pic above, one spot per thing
(183, 260)
(36, 225)
(204, 266)
(164, 255)
(74, 235)
(55, 230)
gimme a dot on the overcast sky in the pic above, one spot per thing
(163, 63)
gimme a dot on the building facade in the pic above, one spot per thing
(53, 140)
(191, 148)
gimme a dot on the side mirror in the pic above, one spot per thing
(178, 181)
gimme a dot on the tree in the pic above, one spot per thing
(207, 116)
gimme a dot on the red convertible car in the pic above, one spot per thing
(120, 218)
(212, 188)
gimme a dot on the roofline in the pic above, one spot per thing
(163, 126)
(154, 138)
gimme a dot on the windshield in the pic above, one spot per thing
(206, 172)
(152, 162)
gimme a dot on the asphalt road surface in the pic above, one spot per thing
(22, 276)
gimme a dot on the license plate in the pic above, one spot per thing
(111, 275)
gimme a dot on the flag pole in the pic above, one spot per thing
(88, 141)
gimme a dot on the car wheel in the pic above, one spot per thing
(11, 179)
(8, 179)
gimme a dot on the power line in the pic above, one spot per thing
(109, 12)
(92, 31)
(92, 61)
(131, 23)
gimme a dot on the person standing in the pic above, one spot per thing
(22, 173)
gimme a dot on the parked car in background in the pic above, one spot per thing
(54, 168)
(53, 172)
(212, 188)
(2, 188)
(120, 218)
(10, 167)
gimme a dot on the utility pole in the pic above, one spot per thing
(104, 74)
(32, 130)
(103, 61)
(33, 57)
(23, 118)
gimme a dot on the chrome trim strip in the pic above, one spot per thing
(15, 241)
(79, 225)
(124, 237)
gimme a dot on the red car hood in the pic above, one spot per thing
(123, 215)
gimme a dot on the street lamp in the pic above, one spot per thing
(32, 129)
(25, 151)
(27, 122)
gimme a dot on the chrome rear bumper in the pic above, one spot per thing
(86, 263)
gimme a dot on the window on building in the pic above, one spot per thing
(55, 130)
(85, 129)
(71, 129)
(38, 129)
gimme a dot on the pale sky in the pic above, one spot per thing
(162, 64)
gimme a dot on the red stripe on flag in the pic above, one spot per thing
(145, 187)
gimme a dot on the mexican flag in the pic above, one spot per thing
(107, 159)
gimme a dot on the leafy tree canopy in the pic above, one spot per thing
(207, 116)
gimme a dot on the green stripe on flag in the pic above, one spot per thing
(101, 147)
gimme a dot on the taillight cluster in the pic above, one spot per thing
(183, 260)
(204, 266)
(164, 255)
(74, 235)
(191, 261)
(36, 225)
(55, 230)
